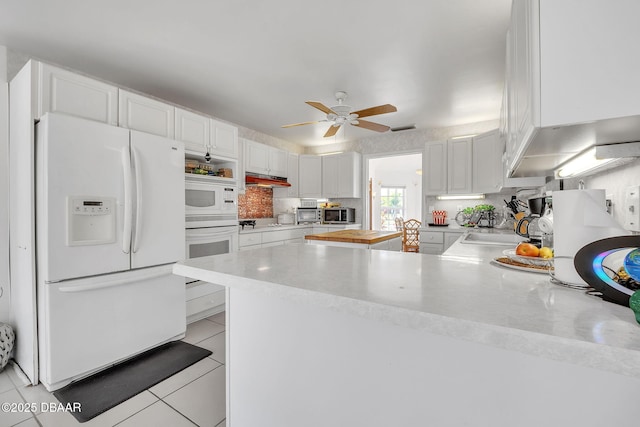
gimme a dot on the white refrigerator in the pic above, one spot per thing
(110, 222)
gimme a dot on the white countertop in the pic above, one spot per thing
(458, 294)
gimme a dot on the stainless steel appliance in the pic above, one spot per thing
(308, 215)
(339, 215)
(529, 225)
(209, 203)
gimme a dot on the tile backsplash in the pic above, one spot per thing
(256, 202)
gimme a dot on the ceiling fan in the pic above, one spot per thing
(341, 114)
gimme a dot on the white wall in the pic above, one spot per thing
(5, 295)
(397, 171)
(615, 181)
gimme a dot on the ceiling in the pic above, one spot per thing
(253, 63)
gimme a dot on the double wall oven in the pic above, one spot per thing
(211, 210)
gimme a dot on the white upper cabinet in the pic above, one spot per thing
(310, 176)
(264, 159)
(192, 129)
(63, 91)
(569, 63)
(292, 178)
(203, 134)
(434, 168)
(330, 180)
(487, 162)
(464, 165)
(223, 139)
(459, 166)
(256, 158)
(278, 162)
(146, 114)
(341, 175)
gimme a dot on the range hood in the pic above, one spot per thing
(254, 179)
(552, 147)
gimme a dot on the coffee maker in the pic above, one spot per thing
(532, 227)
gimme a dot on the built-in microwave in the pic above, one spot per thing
(339, 215)
(308, 215)
(210, 204)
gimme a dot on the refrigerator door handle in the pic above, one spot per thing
(136, 167)
(126, 167)
(110, 283)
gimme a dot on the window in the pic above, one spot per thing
(392, 204)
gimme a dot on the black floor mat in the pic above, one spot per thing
(106, 389)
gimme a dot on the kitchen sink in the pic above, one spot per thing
(503, 239)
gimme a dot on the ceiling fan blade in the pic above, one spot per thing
(299, 124)
(372, 126)
(320, 106)
(332, 131)
(380, 109)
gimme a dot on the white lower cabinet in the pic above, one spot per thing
(273, 237)
(436, 242)
(204, 300)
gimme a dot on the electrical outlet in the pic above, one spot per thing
(459, 208)
(632, 209)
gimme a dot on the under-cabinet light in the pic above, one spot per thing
(461, 197)
(581, 164)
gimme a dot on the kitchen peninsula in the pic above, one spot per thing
(322, 336)
(363, 239)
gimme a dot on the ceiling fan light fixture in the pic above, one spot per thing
(342, 114)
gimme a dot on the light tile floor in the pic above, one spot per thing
(192, 397)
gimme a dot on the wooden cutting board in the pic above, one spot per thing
(368, 237)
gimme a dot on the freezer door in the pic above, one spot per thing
(88, 324)
(81, 169)
(158, 226)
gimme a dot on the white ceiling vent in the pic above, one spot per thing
(401, 128)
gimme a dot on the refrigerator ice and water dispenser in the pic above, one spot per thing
(91, 221)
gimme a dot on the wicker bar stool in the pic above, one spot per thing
(410, 236)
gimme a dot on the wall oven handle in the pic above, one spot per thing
(126, 167)
(136, 166)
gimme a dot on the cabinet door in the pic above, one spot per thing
(292, 178)
(523, 85)
(224, 139)
(277, 162)
(450, 239)
(310, 174)
(66, 92)
(192, 129)
(145, 114)
(434, 168)
(330, 180)
(349, 168)
(256, 158)
(459, 164)
(241, 166)
(487, 163)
